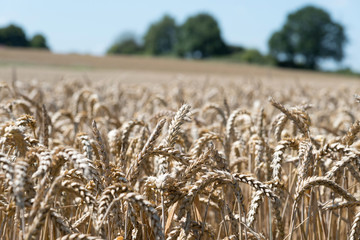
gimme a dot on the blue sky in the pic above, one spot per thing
(90, 26)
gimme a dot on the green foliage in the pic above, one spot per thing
(161, 37)
(200, 37)
(125, 45)
(235, 49)
(347, 71)
(38, 41)
(252, 56)
(13, 36)
(308, 36)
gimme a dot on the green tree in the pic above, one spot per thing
(13, 36)
(308, 36)
(125, 44)
(200, 37)
(38, 41)
(252, 56)
(233, 49)
(160, 39)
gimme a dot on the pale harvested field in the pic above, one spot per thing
(46, 66)
(140, 148)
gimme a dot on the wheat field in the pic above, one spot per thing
(180, 157)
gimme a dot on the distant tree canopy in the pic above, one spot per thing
(161, 37)
(125, 44)
(200, 37)
(254, 56)
(14, 36)
(235, 49)
(308, 36)
(38, 41)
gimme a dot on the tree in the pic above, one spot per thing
(13, 36)
(125, 44)
(252, 56)
(234, 49)
(38, 41)
(200, 37)
(160, 39)
(308, 36)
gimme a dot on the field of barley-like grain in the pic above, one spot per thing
(141, 148)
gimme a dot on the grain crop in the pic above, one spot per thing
(201, 160)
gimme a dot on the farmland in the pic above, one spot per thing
(144, 148)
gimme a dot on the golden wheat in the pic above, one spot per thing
(194, 161)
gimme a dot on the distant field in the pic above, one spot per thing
(44, 65)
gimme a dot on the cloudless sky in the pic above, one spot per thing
(90, 26)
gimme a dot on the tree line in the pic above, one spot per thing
(308, 36)
(199, 37)
(14, 36)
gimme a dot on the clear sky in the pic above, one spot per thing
(89, 26)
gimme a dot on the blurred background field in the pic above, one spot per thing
(319, 36)
(45, 66)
